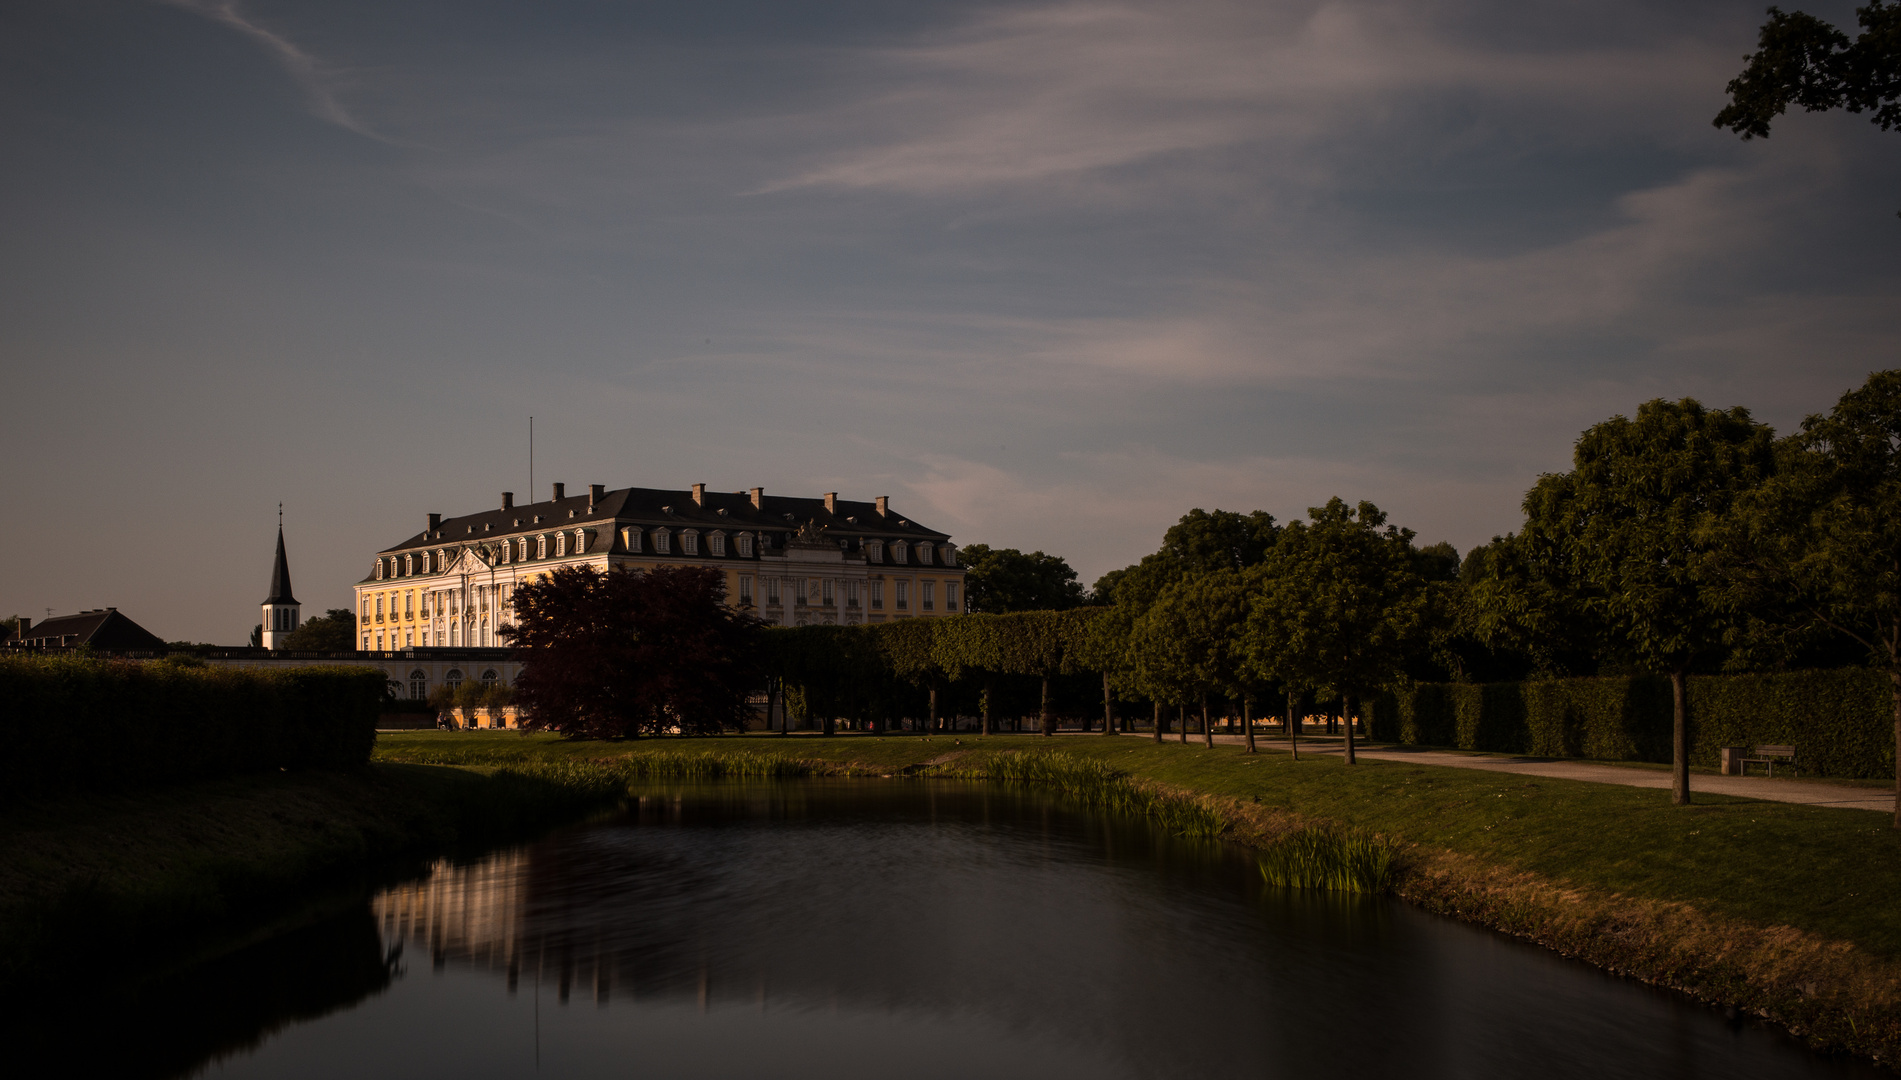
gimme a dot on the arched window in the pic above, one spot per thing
(541, 547)
(442, 561)
(560, 544)
(379, 570)
(418, 685)
(580, 541)
(489, 679)
(409, 565)
(453, 680)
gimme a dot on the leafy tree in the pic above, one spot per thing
(1337, 605)
(333, 631)
(1632, 525)
(1000, 580)
(257, 636)
(1190, 640)
(1802, 60)
(1824, 535)
(1206, 541)
(625, 653)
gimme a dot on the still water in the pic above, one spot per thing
(911, 929)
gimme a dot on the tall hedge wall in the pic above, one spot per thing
(1840, 721)
(70, 723)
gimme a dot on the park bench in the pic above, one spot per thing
(1768, 756)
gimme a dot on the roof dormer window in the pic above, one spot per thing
(924, 554)
(630, 539)
(378, 572)
(744, 541)
(899, 552)
(950, 559)
(409, 565)
(541, 547)
(560, 545)
(874, 550)
(689, 542)
(716, 543)
(662, 541)
(580, 541)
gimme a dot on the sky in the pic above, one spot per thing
(1048, 274)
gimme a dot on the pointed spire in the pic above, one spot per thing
(280, 575)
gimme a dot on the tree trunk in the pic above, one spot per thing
(990, 705)
(1158, 721)
(1181, 724)
(1108, 707)
(1347, 701)
(1894, 682)
(1293, 724)
(1048, 719)
(1247, 722)
(1207, 728)
(1679, 744)
(931, 722)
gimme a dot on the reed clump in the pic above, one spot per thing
(1338, 860)
(718, 765)
(1091, 783)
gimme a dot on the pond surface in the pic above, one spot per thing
(845, 929)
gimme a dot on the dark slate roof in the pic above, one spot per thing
(280, 576)
(657, 508)
(103, 628)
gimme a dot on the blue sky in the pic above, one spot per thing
(1047, 274)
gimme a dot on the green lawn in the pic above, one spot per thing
(1831, 872)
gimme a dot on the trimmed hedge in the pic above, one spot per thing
(71, 723)
(1840, 721)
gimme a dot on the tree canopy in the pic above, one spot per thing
(1804, 61)
(333, 631)
(1000, 580)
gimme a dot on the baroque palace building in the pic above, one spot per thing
(792, 561)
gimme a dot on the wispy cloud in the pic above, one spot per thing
(311, 75)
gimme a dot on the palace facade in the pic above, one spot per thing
(792, 561)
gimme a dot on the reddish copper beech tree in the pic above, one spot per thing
(628, 653)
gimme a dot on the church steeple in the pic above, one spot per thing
(281, 609)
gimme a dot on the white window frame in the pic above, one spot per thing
(950, 596)
(662, 542)
(630, 538)
(716, 543)
(874, 550)
(927, 595)
(924, 554)
(772, 592)
(745, 545)
(877, 596)
(689, 541)
(560, 545)
(899, 552)
(903, 595)
(745, 590)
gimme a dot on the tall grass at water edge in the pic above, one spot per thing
(660, 765)
(1340, 860)
(1090, 783)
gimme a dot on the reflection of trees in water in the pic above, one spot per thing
(174, 1024)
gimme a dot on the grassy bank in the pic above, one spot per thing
(1785, 911)
(195, 865)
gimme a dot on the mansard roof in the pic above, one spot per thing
(660, 508)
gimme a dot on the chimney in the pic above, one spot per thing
(435, 520)
(25, 625)
(758, 496)
(884, 505)
(699, 494)
(508, 500)
(831, 502)
(595, 492)
(560, 492)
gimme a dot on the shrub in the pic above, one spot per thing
(1329, 858)
(74, 723)
(1840, 721)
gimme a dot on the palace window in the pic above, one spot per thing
(409, 565)
(877, 595)
(826, 588)
(365, 617)
(874, 550)
(366, 643)
(409, 605)
(662, 541)
(927, 599)
(745, 545)
(772, 592)
(409, 639)
(950, 596)
(904, 594)
(560, 544)
(924, 554)
(690, 542)
(453, 680)
(425, 562)
(379, 641)
(630, 539)
(745, 590)
(580, 541)
(489, 679)
(899, 549)
(541, 547)
(851, 595)
(418, 685)
(716, 543)
(379, 570)
(379, 607)
(798, 591)
(950, 559)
